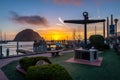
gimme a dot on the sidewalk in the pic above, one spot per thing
(2, 75)
(4, 62)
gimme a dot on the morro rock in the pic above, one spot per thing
(27, 35)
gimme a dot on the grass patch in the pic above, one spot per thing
(11, 72)
(109, 70)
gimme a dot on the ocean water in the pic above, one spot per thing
(12, 46)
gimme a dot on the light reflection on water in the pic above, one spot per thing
(12, 46)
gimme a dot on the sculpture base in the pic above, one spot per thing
(81, 61)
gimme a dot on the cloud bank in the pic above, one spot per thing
(80, 2)
(34, 20)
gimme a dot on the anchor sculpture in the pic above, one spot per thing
(85, 22)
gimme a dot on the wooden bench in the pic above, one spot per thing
(24, 51)
(54, 52)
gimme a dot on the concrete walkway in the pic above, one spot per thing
(4, 62)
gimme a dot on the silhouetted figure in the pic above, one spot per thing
(42, 46)
(57, 46)
(7, 52)
(82, 44)
(35, 46)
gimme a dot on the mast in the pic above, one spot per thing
(74, 34)
(1, 35)
(5, 36)
(95, 30)
(77, 33)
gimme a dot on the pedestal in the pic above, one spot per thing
(93, 55)
(90, 55)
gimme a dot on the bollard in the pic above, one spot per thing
(17, 47)
(0, 51)
(7, 52)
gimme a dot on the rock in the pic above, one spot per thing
(27, 35)
(18, 68)
(41, 62)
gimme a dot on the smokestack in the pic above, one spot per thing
(111, 19)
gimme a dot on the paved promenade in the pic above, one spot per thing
(6, 61)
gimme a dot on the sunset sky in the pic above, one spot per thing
(46, 16)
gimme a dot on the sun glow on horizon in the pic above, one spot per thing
(53, 35)
(56, 37)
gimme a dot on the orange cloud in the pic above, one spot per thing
(73, 2)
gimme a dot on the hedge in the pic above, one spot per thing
(97, 41)
(47, 72)
(31, 61)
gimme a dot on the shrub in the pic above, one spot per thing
(88, 46)
(115, 47)
(31, 61)
(106, 46)
(97, 41)
(47, 72)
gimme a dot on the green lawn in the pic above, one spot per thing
(109, 70)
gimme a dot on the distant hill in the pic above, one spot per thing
(27, 35)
